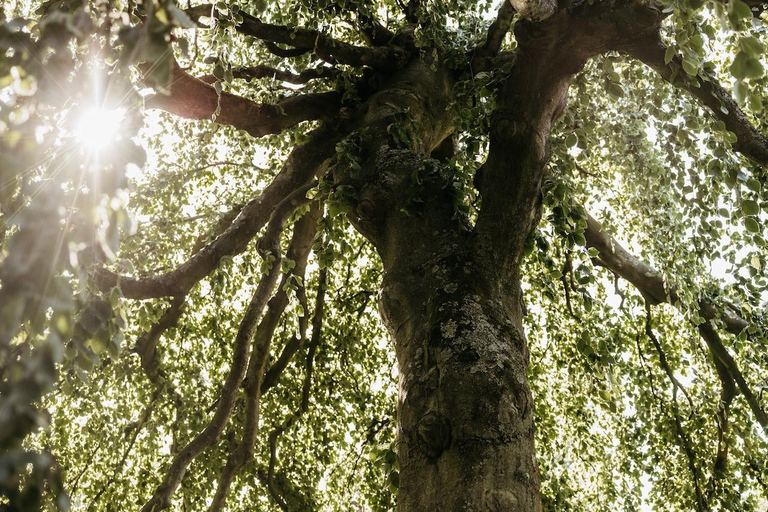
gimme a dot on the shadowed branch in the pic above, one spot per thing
(653, 287)
(385, 58)
(268, 245)
(298, 251)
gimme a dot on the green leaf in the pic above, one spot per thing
(751, 46)
(691, 63)
(750, 207)
(737, 11)
(753, 184)
(669, 54)
(615, 90)
(740, 91)
(745, 66)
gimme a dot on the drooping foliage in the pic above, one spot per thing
(187, 315)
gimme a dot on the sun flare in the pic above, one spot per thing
(97, 128)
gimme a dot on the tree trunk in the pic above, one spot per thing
(465, 427)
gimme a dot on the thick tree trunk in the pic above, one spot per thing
(465, 427)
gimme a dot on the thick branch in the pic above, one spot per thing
(646, 279)
(374, 33)
(750, 143)
(317, 325)
(498, 30)
(650, 283)
(727, 394)
(535, 10)
(303, 77)
(286, 53)
(272, 376)
(193, 98)
(385, 58)
(299, 168)
(146, 345)
(721, 355)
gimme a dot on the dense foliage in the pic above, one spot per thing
(634, 408)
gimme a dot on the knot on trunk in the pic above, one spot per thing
(505, 129)
(499, 501)
(434, 434)
(365, 210)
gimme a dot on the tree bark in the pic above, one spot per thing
(465, 426)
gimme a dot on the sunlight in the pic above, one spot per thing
(97, 128)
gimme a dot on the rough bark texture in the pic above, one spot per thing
(465, 409)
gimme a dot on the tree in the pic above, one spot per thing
(203, 333)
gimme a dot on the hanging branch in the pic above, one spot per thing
(317, 325)
(566, 272)
(750, 142)
(72, 487)
(655, 291)
(268, 245)
(684, 441)
(299, 168)
(721, 354)
(676, 386)
(134, 430)
(727, 393)
(646, 279)
(298, 251)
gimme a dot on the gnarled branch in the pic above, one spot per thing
(302, 77)
(298, 251)
(317, 325)
(721, 354)
(269, 244)
(652, 286)
(498, 30)
(262, 71)
(646, 279)
(385, 58)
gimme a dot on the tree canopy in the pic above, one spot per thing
(191, 259)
